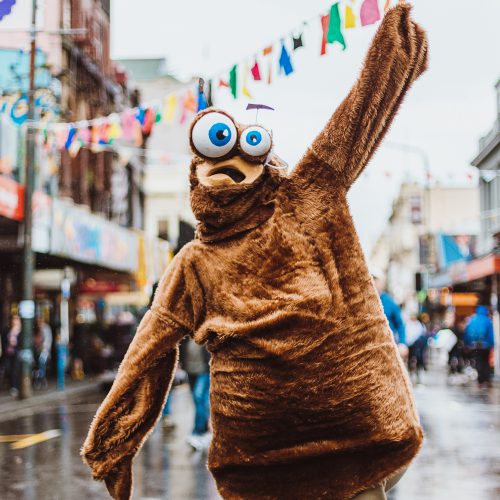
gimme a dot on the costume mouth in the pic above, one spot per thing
(228, 171)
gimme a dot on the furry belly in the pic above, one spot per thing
(298, 394)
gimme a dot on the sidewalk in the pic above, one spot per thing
(11, 406)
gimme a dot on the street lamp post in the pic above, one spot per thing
(27, 305)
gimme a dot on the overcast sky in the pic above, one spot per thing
(445, 113)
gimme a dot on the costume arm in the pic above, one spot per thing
(134, 403)
(396, 58)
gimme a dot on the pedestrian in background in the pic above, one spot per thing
(195, 361)
(392, 312)
(479, 339)
(42, 346)
(416, 339)
(11, 341)
(456, 361)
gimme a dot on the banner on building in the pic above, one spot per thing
(79, 235)
(11, 199)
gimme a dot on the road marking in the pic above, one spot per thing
(20, 441)
(9, 438)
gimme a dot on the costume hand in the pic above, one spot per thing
(119, 481)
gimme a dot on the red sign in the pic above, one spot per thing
(93, 286)
(11, 199)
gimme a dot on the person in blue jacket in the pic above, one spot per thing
(392, 312)
(480, 339)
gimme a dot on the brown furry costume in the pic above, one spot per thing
(309, 398)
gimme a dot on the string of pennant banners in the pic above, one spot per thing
(134, 124)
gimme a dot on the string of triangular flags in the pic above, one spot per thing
(410, 175)
(136, 124)
(342, 15)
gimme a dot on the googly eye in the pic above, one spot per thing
(214, 135)
(255, 141)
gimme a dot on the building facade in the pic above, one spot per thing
(167, 206)
(88, 205)
(429, 228)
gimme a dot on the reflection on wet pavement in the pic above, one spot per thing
(460, 459)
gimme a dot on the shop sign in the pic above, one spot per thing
(82, 236)
(96, 286)
(458, 272)
(11, 199)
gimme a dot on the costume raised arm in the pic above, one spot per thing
(396, 58)
(134, 403)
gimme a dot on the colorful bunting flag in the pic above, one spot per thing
(170, 104)
(350, 19)
(128, 125)
(202, 101)
(285, 61)
(244, 86)
(69, 139)
(256, 71)
(334, 27)
(297, 42)
(189, 105)
(137, 123)
(74, 148)
(149, 121)
(267, 52)
(233, 80)
(141, 113)
(369, 13)
(324, 29)
(94, 134)
(114, 131)
(84, 135)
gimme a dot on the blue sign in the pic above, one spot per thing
(19, 110)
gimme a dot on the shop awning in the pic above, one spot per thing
(464, 272)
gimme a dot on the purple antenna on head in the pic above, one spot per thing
(258, 107)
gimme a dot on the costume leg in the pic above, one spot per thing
(379, 492)
(391, 482)
(372, 494)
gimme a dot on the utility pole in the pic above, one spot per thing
(27, 305)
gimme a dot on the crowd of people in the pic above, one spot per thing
(469, 341)
(9, 354)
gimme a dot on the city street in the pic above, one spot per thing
(460, 459)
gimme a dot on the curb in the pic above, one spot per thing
(18, 408)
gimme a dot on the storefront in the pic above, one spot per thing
(109, 270)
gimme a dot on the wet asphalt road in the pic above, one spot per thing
(460, 459)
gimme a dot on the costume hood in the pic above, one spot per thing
(226, 211)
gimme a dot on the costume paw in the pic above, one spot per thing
(119, 480)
